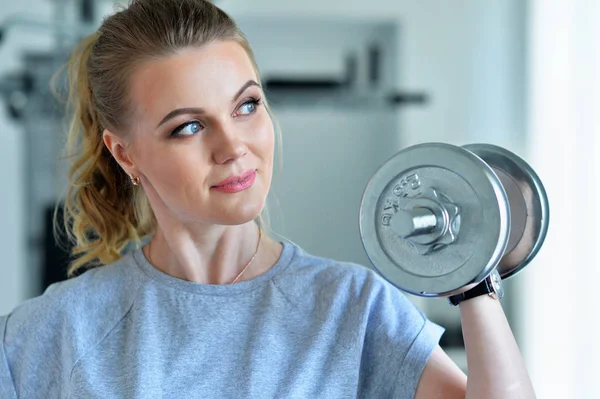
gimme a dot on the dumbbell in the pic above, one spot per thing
(436, 219)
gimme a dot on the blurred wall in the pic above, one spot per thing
(563, 326)
(15, 276)
(467, 55)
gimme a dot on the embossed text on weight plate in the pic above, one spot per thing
(408, 186)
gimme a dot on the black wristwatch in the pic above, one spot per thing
(491, 285)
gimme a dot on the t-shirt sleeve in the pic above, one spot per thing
(399, 340)
(7, 388)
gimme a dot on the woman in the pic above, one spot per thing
(175, 142)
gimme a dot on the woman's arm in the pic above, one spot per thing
(496, 367)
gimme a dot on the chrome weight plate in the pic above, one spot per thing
(427, 185)
(529, 209)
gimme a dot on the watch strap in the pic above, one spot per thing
(484, 287)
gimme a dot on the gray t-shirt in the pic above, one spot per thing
(309, 327)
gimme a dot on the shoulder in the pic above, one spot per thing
(96, 294)
(310, 266)
(340, 283)
(54, 329)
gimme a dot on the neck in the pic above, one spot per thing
(214, 255)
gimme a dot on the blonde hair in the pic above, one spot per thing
(103, 212)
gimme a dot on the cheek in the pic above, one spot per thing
(265, 136)
(176, 169)
(180, 185)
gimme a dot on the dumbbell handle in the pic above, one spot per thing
(418, 221)
(428, 221)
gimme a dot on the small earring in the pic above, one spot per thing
(135, 180)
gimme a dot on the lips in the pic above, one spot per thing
(236, 179)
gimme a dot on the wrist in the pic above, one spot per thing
(490, 287)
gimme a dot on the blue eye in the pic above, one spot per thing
(187, 129)
(248, 107)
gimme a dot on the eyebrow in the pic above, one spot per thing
(188, 111)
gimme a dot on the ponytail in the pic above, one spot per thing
(98, 212)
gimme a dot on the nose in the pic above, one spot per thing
(229, 145)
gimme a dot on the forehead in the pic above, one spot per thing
(192, 77)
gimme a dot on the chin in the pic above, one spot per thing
(240, 213)
(242, 209)
(238, 218)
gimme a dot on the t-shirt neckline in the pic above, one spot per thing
(161, 277)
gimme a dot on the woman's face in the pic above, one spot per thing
(200, 123)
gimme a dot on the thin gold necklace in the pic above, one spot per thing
(252, 258)
(245, 267)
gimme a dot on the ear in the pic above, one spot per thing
(119, 150)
